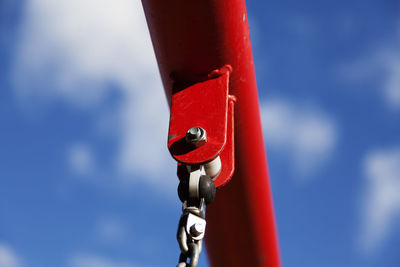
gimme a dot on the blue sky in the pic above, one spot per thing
(85, 176)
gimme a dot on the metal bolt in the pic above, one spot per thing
(196, 136)
(197, 229)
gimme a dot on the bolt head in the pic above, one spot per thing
(196, 136)
(197, 229)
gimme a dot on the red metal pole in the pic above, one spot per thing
(190, 39)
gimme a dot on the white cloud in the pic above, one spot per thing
(8, 258)
(303, 135)
(381, 201)
(96, 261)
(381, 63)
(72, 51)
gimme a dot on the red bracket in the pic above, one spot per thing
(207, 105)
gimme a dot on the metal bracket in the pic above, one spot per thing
(207, 105)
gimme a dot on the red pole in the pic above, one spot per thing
(190, 39)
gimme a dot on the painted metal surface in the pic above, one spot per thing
(190, 39)
(206, 104)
